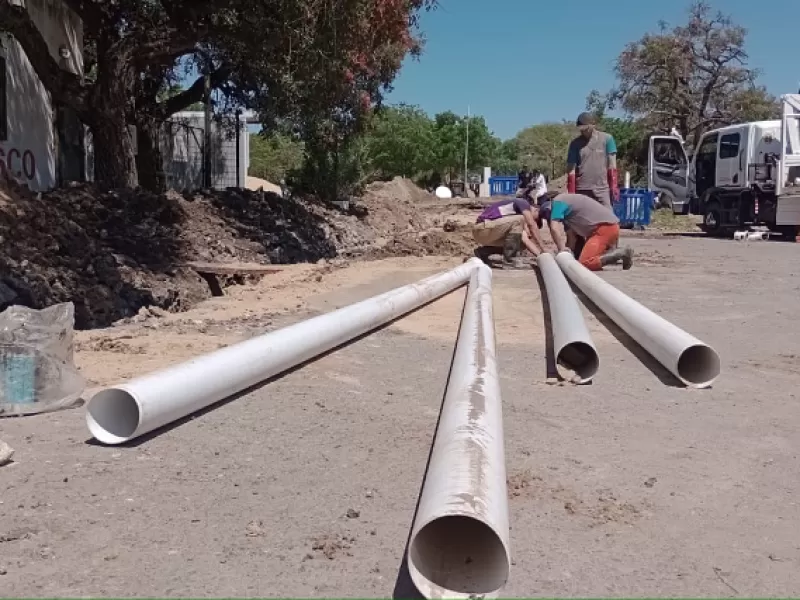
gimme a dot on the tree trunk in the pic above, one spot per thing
(114, 160)
(149, 159)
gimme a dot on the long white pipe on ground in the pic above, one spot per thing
(693, 362)
(575, 353)
(459, 544)
(128, 410)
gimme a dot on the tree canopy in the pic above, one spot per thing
(273, 156)
(401, 142)
(544, 147)
(450, 133)
(693, 76)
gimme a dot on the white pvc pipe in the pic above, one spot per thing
(459, 545)
(123, 412)
(575, 353)
(693, 362)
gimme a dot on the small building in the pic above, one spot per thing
(41, 144)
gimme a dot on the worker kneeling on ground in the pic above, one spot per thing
(503, 227)
(589, 219)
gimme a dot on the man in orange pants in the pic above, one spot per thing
(589, 219)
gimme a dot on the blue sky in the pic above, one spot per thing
(520, 62)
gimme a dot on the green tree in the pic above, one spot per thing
(693, 76)
(450, 134)
(400, 142)
(630, 136)
(544, 146)
(275, 155)
(506, 158)
(331, 98)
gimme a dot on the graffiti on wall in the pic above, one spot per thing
(19, 163)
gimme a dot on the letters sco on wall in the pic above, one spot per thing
(17, 163)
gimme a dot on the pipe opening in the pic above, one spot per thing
(578, 359)
(698, 366)
(113, 416)
(460, 554)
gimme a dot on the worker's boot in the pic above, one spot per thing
(618, 254)
(627, 258)
(511, 246)
(511, 249)
(485, 253)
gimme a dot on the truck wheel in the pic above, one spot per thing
(712, 218)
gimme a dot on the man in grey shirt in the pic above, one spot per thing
(591, 220)
(592, 162)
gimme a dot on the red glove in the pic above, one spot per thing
(571, 183)
(613, 184)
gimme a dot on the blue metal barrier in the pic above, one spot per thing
(634, 206)
(502, 186)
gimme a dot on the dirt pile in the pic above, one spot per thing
(408, 221)
(111, 253)
(394, 207)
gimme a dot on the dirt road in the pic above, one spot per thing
(306, 487)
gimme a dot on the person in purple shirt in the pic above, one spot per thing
(503, 228)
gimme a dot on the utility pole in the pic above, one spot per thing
(207, 130)
(466, 154)
(238, 147)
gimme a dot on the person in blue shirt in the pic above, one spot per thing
(589, 219)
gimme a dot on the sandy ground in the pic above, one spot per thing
(627, 487)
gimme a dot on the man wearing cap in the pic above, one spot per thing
(503, 227)
(589, 219)
(592, 163)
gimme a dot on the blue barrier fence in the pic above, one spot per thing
(502, 186)
(634, 206)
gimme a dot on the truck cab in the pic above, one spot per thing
(739, 176)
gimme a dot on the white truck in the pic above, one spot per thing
(740, 176)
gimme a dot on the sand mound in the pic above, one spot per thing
(394, 206)
(256, 183)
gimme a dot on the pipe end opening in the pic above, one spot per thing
(460, 554)
(113, 416)
(699, 366)
(578, 361)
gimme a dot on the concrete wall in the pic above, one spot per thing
(30, 151)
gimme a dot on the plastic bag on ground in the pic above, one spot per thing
(37, 370)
